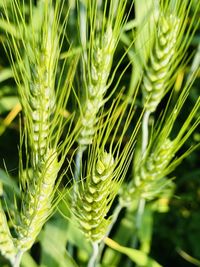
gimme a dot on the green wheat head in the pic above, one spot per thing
(106, 169)
(160, 157)
(157, 71)
(34, 57)
(97, 62)
(7, 246)
(171, 40)
(37, 203)
(91, 205)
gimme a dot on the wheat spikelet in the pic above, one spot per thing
(156, 75)
(7, 246)
(92, 199)
(36, 204)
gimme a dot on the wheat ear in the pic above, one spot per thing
(102, 46)
(147, 182)
(36, 205)
(40, 96)
(42, 107)
(94, 194)
(172, 38)
(101, 65)
(7, 246)
(91, 204)
(156, 75)
(159, 159)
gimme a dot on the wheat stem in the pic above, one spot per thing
(114, 219)
(92, 261)
(138, 221)
(78, 162)
(18, 259)
(141, 207)
(145, 136)
(195, 63)
(115, 216)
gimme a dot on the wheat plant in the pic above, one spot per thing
(34, 64)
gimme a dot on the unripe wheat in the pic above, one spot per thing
(146, 183)
(36, 205)
(156, 75)
(92, 199)
(7, 247)
(99, 73)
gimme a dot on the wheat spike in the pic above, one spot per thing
(100, 70)
(42, 100)
(103, 40)
(148, 176)
(36, 204)
(7, 246)
(156, 74)
(37, 56)
(92, 199)
(159, 159)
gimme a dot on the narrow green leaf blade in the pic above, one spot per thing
(139, 257)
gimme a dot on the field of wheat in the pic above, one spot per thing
(99, 133)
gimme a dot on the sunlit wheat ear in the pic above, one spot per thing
(100, 71)
(107, 165)
(172, 38)
(36, 205)
(103, 39)
(7, 246)
(159, 160)
(92, 203)
(42, 73)
(156, 75)
(148, 182)
(37, 55)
